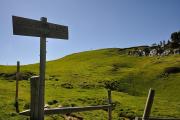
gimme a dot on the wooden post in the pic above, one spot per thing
(34, 98)
(42, 72)
(42, 29)
(17, 82)
(148, 105)
(110, 103)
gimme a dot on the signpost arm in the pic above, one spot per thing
(42, 72)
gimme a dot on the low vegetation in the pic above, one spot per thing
(83, 79)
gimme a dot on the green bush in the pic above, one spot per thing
(27, 106)
(67, 85)
(87, 86)
(52, 102)
(170, 70)
(117, 85)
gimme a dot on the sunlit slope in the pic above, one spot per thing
(98, 66)
(88, 73)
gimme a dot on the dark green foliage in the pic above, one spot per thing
(117, 85)
(53, 77)
(115, 105)
(175, 38)
(13, 114)
(124, 85)
(147, 51)
(93, 101)
(74, 117)
(118, 66)
(170, 70)
(68, 104)
(67, 85)
(25, 75)
(8, 76)
(164, 43)
(73, 104)
(160, 50)
(52, 102)
(27, 106)
(115, 67)
(124, 112)
(86, 85)
(174, 45)
(56, 117)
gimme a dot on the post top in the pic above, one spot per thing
(33, 77)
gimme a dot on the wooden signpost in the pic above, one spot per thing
(42, 29)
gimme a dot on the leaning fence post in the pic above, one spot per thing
(110, 103)
(34, 97)
(148, 105)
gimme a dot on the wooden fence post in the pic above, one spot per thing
(42, 72)
(110, 103)
(149, 102)
(17, 82)
(34, 98)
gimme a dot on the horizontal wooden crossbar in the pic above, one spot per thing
(65, 110)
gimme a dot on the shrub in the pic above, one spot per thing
(127, 113)
(87, 86)
(170, 70)
(65, 104)
(26, 75)
(67, 85)
(52, 102)
(125, 85)
(93, 101)
(27, 106)
(117, 85)
(13, 114)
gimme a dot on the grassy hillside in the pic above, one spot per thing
(83, 78)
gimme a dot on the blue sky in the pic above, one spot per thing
(93, 24)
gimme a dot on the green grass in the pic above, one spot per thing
(87, 72)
